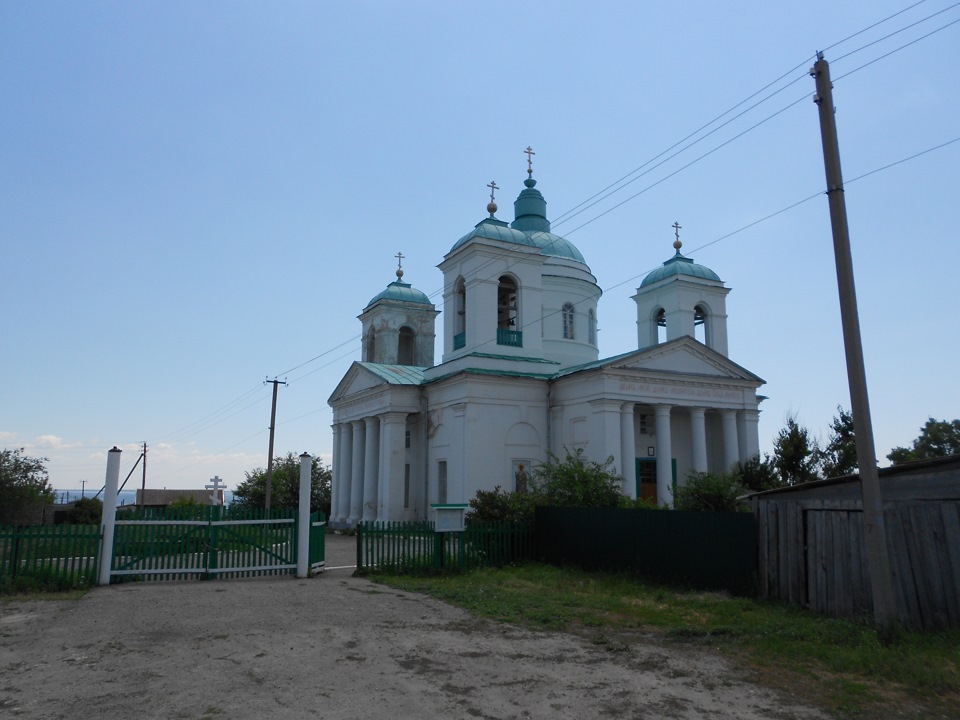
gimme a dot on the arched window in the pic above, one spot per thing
(661, 326)
(700, 326)
(507, 311)
(460, 321)
(591, 327)
(405, 349)
(371, 346)
(567, 312)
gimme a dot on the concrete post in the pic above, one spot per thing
(731, 445)
(356, 474)
(303, 515)
(110, 486)
(628, 451)
(371, 463)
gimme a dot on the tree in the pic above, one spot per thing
(23, 482)
(757, 475)
(86, 511)
(839, 456)
(795, 454)
(938, 438)
(575, 481)
(713, 492)
(285, 489)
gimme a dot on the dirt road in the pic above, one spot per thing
(336, 646)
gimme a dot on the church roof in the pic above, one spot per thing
(395, 374)
(680, 265)
(493, 229)
(402, 292)
(530, 227)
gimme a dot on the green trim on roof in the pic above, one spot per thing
(401, 292)
(680, 265)
(395, 374)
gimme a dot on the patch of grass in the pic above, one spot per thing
(839, 664)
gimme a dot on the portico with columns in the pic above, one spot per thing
(521, 377)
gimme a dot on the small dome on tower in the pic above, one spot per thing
(680, 265)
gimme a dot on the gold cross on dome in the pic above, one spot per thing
(399, 256)
(530, 153)
(493, 188)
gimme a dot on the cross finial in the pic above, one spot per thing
(676, 233)
(399, 256)
(530, 153)
(492, 206)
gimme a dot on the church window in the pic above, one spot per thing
(567, 312)
(460, 318)
(441, 481)
(371, 346)
(661, 326)
(405, 350)
(406, 439)
(507, 313)
(700, 327)
(591, 327)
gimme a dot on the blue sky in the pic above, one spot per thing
(196, 196)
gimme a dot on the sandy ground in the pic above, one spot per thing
(336, 646)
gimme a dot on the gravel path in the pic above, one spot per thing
(336, 646)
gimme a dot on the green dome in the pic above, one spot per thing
(492, 229)
(680, 265)
(556, 246)
(401, 292)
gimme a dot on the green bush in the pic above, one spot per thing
(714, 492)
(86, 511)
(46, 579)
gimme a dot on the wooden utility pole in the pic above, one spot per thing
(273, 424)
(875, 534)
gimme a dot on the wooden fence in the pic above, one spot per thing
(416, 547)
(812, 554)
(48, 556)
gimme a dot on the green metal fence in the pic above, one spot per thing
(703, 550)
(318, 541)
(416, 547)
(48, 556)
(206, 541)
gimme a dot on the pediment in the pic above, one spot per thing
(356, 380)
(684, 356)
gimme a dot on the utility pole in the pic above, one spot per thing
(273, 424)
(143, 484)
(875, 533)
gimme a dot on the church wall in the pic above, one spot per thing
(583, 295)
(487, 423)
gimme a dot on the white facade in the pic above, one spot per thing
(521, 376)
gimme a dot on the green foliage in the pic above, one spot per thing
(712, 492)
(86, 511)
(795, 454)
(23, 482)
(839, 457)
(497, 505)
(572, 482)
(577, 482)
(285, 490)
(938, 438)
(45, 580)
(757, 475)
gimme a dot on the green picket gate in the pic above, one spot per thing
(208, 542)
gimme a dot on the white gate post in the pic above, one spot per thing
(109, 518)
(303, 516)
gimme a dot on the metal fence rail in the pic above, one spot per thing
(65, 555)
(416, 547)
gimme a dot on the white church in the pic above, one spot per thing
(521, 376)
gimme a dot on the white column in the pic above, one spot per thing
(303, 515)
(371, 463)
(356, 475)
(698, 439)
(346, 472)
(628, 451)
(392, 433)
(109, 515)
(664, 455)
(556, 431)
(731, 447)
(751, 434)
(605, 432)
(335, 474)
